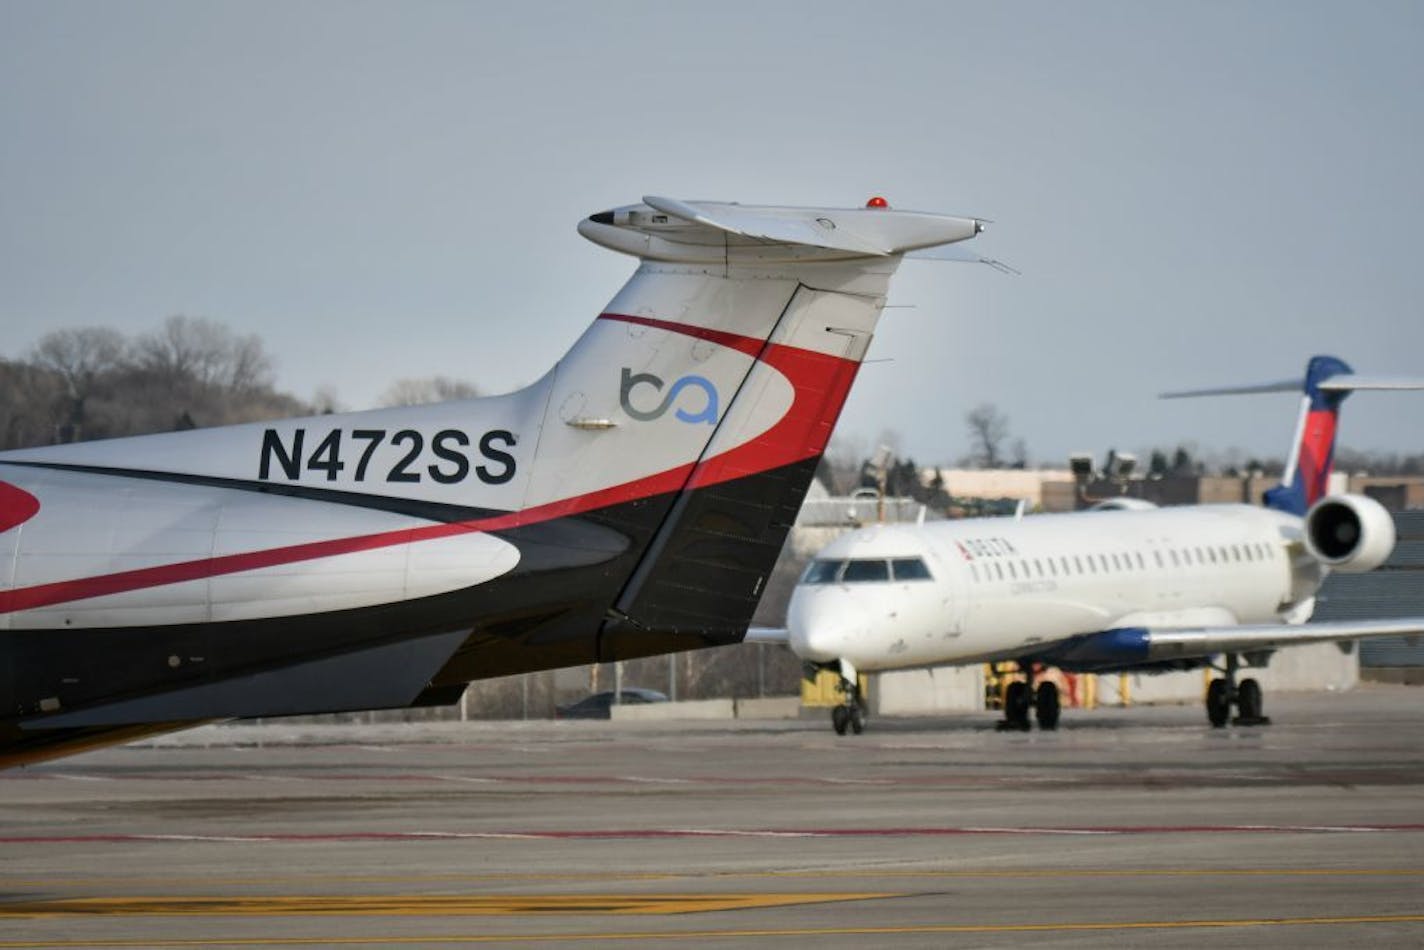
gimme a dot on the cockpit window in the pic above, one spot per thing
(866, 571)
(822, 572)
(910, 569)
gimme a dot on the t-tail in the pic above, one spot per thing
(1328, 380)
(742, 331)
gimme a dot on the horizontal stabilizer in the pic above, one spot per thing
(671, 229)
(957, 254)
(780, 228)
(1280, 386)
(1342, 382)
(1352, 381)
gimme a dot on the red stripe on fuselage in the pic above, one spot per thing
(821, 384)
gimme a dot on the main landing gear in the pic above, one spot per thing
(850, 714)
(1223, 692)
(1020, 696)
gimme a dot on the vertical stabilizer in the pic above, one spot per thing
(742, 332)
(1312, 454)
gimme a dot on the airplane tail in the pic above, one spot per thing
(734, 346)
(685, 425)
(1327, 381)
(630, 502)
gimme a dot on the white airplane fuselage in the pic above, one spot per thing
(999, 586)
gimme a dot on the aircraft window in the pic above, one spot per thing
(1158, 556)
(910, 569)
(1187, 556)
(999, 569)
(1175, 561)
(1103, 562)
(1201, 558)
(1052, 568)
(822, 572)
(1141, 564)
(862, 571)
(1250, 550)
(1079, 561)
(1211, 553)
(1092, 568)
(974, 571)
(1013, 573)
(1235, 552)
(1117, 564)
(1038, 566)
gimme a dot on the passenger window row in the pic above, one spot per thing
(1068, 565)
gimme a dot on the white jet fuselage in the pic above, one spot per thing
(996, 587)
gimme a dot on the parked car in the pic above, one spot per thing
(597, 706)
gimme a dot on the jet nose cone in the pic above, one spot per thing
(823, 623)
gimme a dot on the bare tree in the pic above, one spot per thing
(426, 389)
(205, 353)
(988, 428)
(81, 358)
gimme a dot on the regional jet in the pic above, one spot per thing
(631, 502)
(1128, 587)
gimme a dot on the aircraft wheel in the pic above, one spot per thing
(840, 719)
(1016, 702)
(1046, 706)
(1218, 703)
(857, 719)
(1248, 700)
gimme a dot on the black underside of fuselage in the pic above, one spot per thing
(657, 575)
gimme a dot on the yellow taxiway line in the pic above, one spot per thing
(423, 905)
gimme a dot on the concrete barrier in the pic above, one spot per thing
(654, 712)
(770, 707)
(928, 691)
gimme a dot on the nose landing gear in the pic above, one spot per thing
(850, 714)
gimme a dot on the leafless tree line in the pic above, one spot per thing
(95, 383)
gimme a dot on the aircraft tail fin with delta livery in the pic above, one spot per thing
(1327, 381)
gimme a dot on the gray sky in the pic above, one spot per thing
(1196, 193)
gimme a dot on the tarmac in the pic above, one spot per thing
(1127, 827)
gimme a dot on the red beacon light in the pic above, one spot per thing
(877, 202)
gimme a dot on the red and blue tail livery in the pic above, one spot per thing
(1327, 381)
(1312, 456)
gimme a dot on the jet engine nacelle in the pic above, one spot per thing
(1350, 533)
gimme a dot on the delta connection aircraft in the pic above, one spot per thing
(1128, 587)
(631, 502)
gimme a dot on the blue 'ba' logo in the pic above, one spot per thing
(708, 413)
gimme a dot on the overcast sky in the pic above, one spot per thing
(1195, 193)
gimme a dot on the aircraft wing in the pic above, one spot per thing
(1132, 646)
(767, 635)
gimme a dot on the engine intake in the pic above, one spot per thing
(1350, 533)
